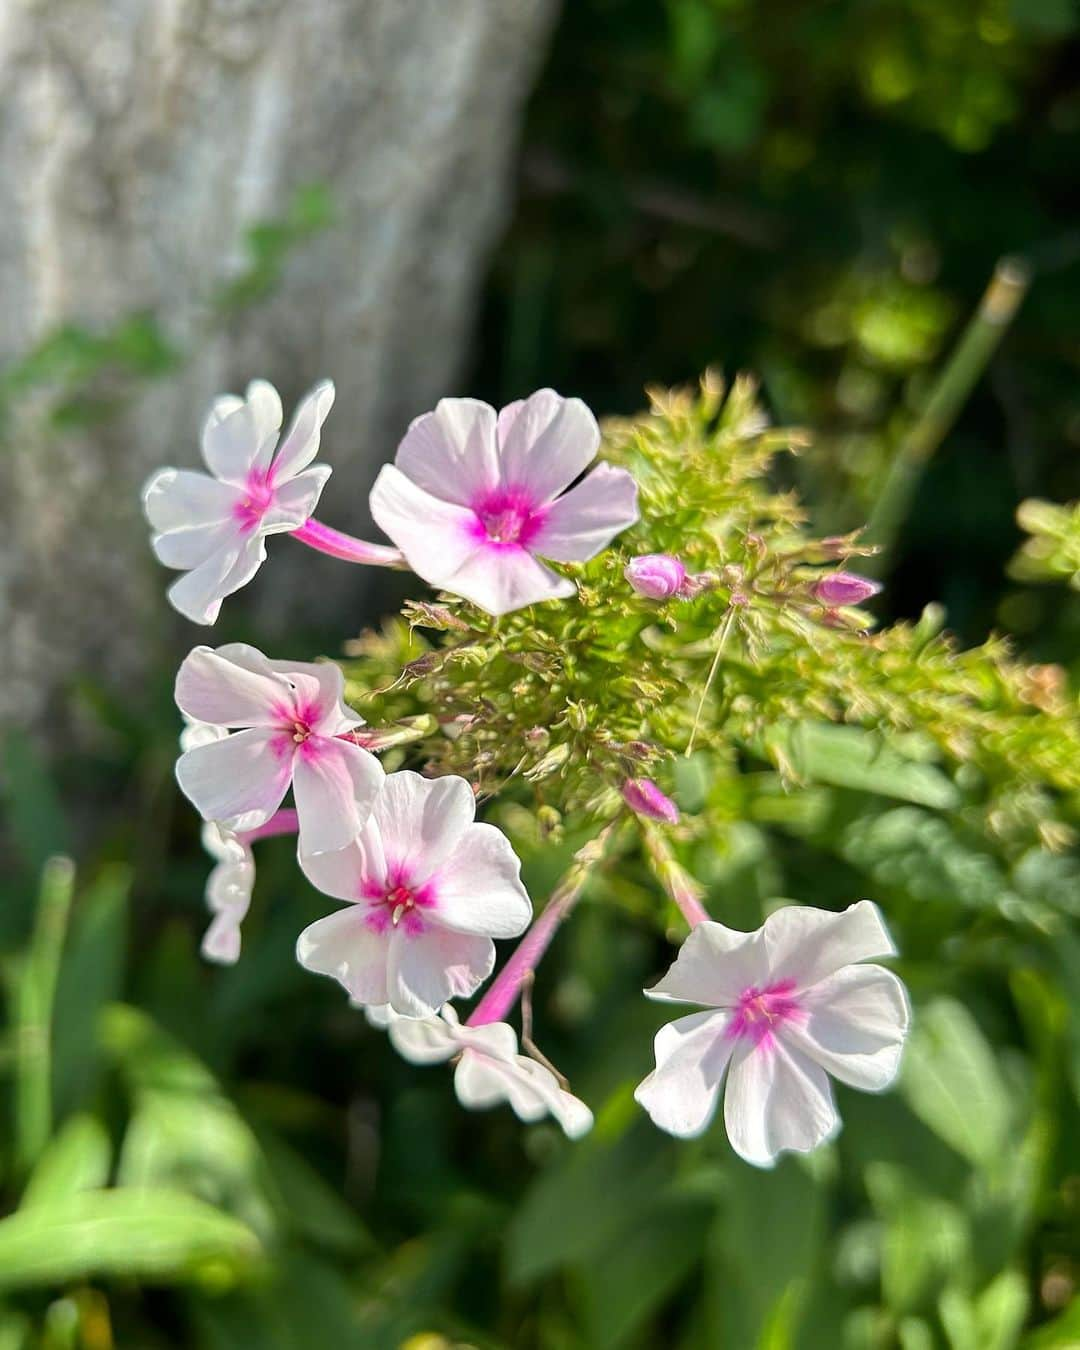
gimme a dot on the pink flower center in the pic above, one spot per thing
(506, 517)
(256, 501)
(759, 1012)
(394, 902)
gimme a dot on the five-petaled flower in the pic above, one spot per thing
(472, 500)
(294, 728)
(214, 526)
(428, 890)
(489, 1069)
(790, 1007)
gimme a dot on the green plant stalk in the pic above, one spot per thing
(34, 994)
(998, 307)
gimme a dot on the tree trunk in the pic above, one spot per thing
(139, 144)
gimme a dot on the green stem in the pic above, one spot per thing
(34, 994)
(725, 629)
(996, 311)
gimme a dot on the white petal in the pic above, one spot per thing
(478, 888)
(189, 548)
(436, 537)
(199, 593)
(692, 1054)
(300, 444)
(422, 820)
(805, 944)
(230, 884)
(345, 948)
(856, 1024)
(545, 442)
(586, 519)
(335, 785)
(452, 452)
(422, 1040)
(247, 772)
(426, 969)
(503, 578)
(231, 444)
(221, 941)
(531, 1090)
(212, 687)
(180, 499)
(776, 1099)
(295, 501)
(714, 965)
(341, 873)
(265, 404)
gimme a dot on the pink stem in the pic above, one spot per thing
(678, 884)
(691, 908)
(504, 991)
(281, 822)
(344, 546)
(506, 988)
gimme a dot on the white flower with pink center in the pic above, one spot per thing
(791, 1007)
(489, 1070)
(428, 888)
(289, 725)
(473, 500)
(213, 526)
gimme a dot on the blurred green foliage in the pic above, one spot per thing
(222, 1159)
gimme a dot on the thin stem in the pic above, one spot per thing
(345, 546)
(998, 306)
(281, 822)
(725, 629)
(678, 884)
(506, 988)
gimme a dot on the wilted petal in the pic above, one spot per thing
(502, 579)
(805, 944)
(335, 785)
(452, 452)
(428, 968)
(421, 820)
(545, 441)
(212, 686)
(714, 965)
(478, 887)
(247, 772)
(221, 941)
(856, 1025)
(692, 1054)
(346, 948)
(776, 1099)
(422, 1040)
(586, 519)
(300, 444)
(435, 536)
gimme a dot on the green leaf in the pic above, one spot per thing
(925, 1240)
(37, 824)
(849, 757)
(989, 1321)
(77, 1158)
(33, 994)
(951, 1081)
(142, 1235)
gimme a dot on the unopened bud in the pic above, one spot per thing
(657, 576)
(643, 797)
(844, 588)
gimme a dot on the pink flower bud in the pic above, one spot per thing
(643, 796)
(657, 576)
(844, 588)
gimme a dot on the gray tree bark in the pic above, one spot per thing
(139, 142)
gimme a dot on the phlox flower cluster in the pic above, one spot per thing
(479, 504)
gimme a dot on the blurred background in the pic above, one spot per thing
(418, 199)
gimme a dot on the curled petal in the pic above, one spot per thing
(295, 500)
(300, 444)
